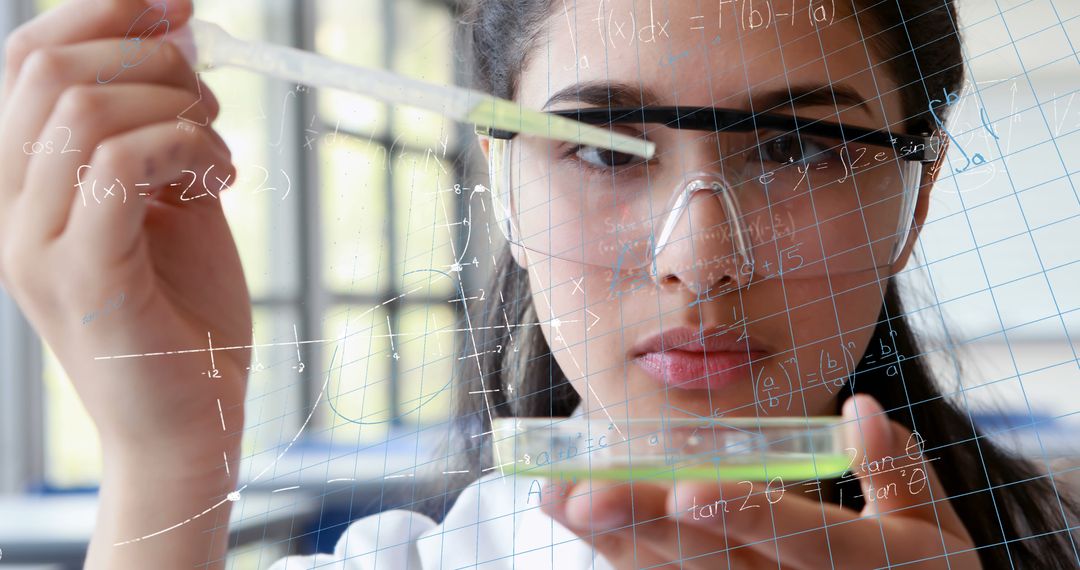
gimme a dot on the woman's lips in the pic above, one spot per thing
(695, 359)
(698, 370)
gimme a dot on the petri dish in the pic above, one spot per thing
(793, 448)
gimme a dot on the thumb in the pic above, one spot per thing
(889, 460)
(869, 435)
(894, 473)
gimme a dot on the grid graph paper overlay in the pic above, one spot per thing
(377, 375)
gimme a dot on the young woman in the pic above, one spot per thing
(747, 269)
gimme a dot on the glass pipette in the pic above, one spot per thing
(208, 46)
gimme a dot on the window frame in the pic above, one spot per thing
(315, 297)
(22, 404)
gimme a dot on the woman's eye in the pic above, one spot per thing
(797, 150)
(603, 158)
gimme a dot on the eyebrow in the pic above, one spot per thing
(835, 96)
(605, 94)
(617, 94)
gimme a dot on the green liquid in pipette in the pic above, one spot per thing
(819, 467)
(510, 116)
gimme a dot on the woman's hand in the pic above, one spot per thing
(111, 247)
(713, 525)
(78, 234)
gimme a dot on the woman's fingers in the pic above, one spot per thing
(111, 226)
(631, 525)
(612, 504)
(703, 525)
(783, 527)
(691, 544)
(46, 83)
(601, 512)
(175, 153)
(799, 532)
(141, 22)
(907, 516)
(94, 115)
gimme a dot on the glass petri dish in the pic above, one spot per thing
(793, 448)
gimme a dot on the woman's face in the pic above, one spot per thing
(696, 332)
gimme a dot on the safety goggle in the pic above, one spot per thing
(832, 197)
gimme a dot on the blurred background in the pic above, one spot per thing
(343, 203)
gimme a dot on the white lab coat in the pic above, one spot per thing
(496, 523)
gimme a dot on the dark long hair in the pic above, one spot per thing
(1013, 510)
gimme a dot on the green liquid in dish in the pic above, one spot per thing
(816, 467)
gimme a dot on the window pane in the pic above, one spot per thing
(241, 18)
(72, 449)
(261, 194)
(43, 5)
(274, 406)
(354, 217)
(358, 404)
(427, 363)
(427, 33)
(352, 32)
(256, 190)
(425, 204)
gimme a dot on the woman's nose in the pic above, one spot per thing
(701, 245)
